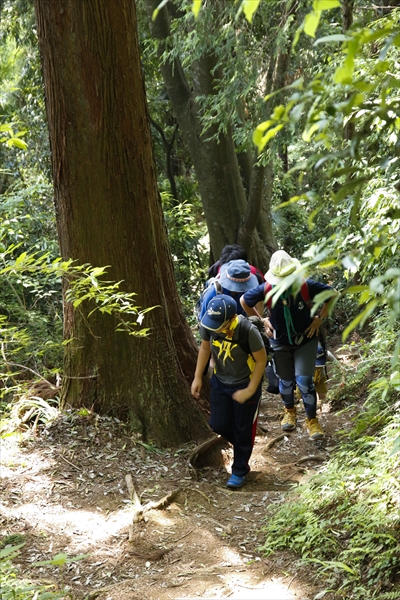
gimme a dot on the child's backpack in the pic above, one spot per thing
(211, 283)
(244, 325)
(304, 291)
(272, 378)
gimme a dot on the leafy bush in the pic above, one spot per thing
(12, 587)
(346, 518)
(187, 234)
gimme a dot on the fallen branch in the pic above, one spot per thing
(171, 496)
(304, 459)
(165, 500)
(93, 595)
(133, 495)
(262, 430)
(279, 465)
(274, 440)
(137, 505)
(67, 461)
(181, 538)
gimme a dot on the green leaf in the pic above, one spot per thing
(97, 271)
(355, 289)
(321, 594)
(297, 36)
(60, 560)
(21, 258)
(396, 446)
(249, 8)
(325, 4)
(151, 448)
(259, 131)
(321, 298)
(395, 380)
(196, 7)
(269, 135)
(343, 75)
(311, 22)
(297, 111)
(14, 141)
(337, 37)
(10, 551)
(329, 564)
(360, 318)
(308, 133)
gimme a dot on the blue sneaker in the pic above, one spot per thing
(235, 482)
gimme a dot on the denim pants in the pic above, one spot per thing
(296, 365)
(236, 422)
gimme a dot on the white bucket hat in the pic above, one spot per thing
(281, 265)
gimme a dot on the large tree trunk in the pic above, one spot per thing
(215, 160)
(109, 213)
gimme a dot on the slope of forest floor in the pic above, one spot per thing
(185, 535)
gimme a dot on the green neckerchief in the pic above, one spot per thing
(288, 315)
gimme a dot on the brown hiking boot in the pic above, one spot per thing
(288, 422)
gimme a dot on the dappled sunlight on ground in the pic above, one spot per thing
(65, 491)
(92, 525)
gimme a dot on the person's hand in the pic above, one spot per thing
(269, 330)
(242, 395)
(197, 384)
(313, 329)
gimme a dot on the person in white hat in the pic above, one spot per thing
(293, 334)
(239, 358)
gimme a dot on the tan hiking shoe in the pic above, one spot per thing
(314, 429)
(288, 422)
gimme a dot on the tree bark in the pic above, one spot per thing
(109, 213)
(347, 14)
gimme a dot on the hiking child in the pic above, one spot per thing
(234, 279)
(294, 338)
(233, 252)
(239, 361)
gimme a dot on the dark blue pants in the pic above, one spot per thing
(236, 422)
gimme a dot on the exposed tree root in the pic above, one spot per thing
(207, 454)
(274, 440)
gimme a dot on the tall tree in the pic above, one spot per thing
(235, 184)
(109, 213)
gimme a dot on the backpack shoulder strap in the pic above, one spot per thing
(268, 288)
(305, 294)
(304, 291)
(243, 340)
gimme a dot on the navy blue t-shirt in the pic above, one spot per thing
(301, 313)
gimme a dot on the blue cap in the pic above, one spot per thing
(220, 309)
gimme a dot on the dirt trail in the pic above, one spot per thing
(65, 491)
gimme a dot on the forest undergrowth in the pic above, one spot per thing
(325, 518)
